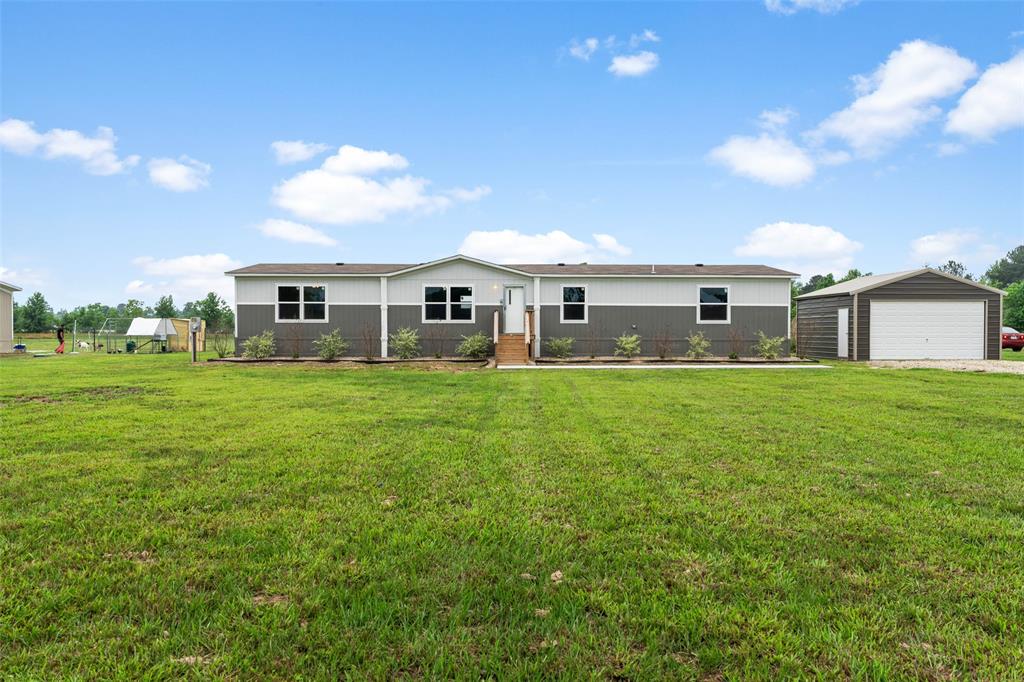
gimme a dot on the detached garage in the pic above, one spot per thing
(914, 315)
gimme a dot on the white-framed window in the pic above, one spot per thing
(301, 303)
(573, 308)
(713, 305)
(448, 303)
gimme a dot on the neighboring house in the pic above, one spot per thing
(520, 306)
(912, 315)
(7, 316)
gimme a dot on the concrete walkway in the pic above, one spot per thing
(709, 365)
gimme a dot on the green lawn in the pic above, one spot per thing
(160, 520)
(1013, 355)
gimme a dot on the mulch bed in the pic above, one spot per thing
(358, 361)
(612, 360)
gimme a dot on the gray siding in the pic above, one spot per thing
(605, 323)
(440, 337)
(817, 326)
(928, 287)
(297, 338)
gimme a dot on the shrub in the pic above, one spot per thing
(330, 346)
(405, 343)
(663, 344)
(627, 345)
(369, 341)
(476, 346)
(561, 347)
(699, 345)
(221, 346)
(735, 343)
(259, 347)
(768, 347)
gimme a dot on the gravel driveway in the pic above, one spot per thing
(1003, 366)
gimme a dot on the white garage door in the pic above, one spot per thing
(927, 330)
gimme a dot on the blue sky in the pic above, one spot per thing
(819, 137)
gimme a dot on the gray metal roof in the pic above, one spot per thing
(319, 269)
(541, 269)
(652, 270)
(9, 286)
(866, 282)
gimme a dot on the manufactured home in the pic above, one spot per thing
(519, 306)
(912, 315)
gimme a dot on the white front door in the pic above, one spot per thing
(927, 330)
(844, 333)
(515, 309)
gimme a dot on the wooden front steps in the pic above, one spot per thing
(511, 350)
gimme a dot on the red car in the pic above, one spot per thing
(1013, 339)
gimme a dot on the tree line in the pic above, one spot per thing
(36, 315)
(1007, 273)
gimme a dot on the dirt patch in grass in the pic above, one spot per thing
(271, 600)
(80, 395)
(141, 557)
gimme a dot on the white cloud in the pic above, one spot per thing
(776, 119)
(187, 277)
(801, 247)
(97, 154)
(826, 157)
(293, 151)
(994, 104)
(607, 242)
(20, 136)
(768, 158)
(340, 191)
(138, 287)
(950, 148)
(965, 246)
(898, 97)
(295, 232)
(633, 65)
(583, 51)
(648, 36)
(24, 277)
(475, 194)
(512, 246)
(355, 161)
(182, 175)
(794, 6)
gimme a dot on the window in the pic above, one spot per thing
(714, 304)
(442, 303)
(302, 303)
(574, 304)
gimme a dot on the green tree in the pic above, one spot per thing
(818, 282)
(165, 307)
(133, 308)
(216, 312)
(88, 317)
(190, 309)
(1008, 270)
(35, 315)
(955, 268)
(853, 273)
(1013, 306)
